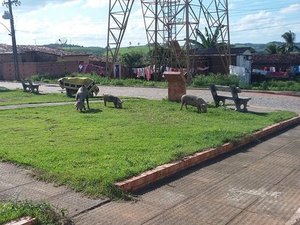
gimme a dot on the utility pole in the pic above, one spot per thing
(9, 15)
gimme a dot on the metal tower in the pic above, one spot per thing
(171, 24)
(214, 13)
(119, 11)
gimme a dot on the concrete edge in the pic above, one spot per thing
(166, 170)
(23, 221)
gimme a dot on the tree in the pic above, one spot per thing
(273, 49)
(289, 45)
(133, 59)
(207, 40)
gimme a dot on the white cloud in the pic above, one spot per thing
(85, 22)
(261, 27)
(290, 9)
(95, 3)
(53, 21)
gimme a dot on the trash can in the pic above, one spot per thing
(176, 85)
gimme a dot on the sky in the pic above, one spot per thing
(85, 22)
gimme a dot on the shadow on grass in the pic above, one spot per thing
(4, 89)
(258, 113)
(92, 111)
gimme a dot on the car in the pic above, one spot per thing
(72, 84)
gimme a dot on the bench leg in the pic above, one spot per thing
(219, 102)
(26, 88)
(35, 90)
(241, 107)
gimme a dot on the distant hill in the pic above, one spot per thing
(96, 51)
(260, 48)
(99, 51)
(257, 47)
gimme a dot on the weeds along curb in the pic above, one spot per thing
(169, 169)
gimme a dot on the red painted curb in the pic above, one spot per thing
(169, 169)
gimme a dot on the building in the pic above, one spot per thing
(211, 61)
(34, 60)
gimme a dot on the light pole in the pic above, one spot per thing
(9, 15)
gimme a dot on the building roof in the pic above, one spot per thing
(214, 51)
(7, 49)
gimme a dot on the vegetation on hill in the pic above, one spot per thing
(289, 45)
(101, 51)
(96, 51)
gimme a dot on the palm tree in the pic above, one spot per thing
(273, 49)
(289, 45)
(207, 40)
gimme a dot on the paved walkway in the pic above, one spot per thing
(258, 184)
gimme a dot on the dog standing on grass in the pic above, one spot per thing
(82, 95)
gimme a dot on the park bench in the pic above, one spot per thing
(28, 86)
(240, 102)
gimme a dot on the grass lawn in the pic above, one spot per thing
(90, 151)
(18, 96)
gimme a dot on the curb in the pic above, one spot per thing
(284, 93)
(166, 170)
(23, 221)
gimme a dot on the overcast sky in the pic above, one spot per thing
(84, 22)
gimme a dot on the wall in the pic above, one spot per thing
(276, 60)
(28, 69)
(214, 63)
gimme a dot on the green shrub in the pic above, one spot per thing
(220, 79)
(277, 85)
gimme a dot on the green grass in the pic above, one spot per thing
(90, 151)
(12, 97)
(144, 49)
(43, 212)
(220, 79)
(273, 85)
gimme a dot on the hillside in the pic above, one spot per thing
(100, 51)
(97, 51)
(260, 48)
